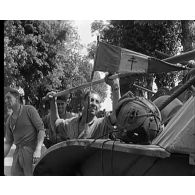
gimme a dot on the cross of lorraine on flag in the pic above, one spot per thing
(132, 62)
(113, 59)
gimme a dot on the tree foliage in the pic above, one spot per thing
(41, 56)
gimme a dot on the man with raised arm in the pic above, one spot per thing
(87, 125)
(50, 138)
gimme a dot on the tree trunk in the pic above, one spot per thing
(186, 40)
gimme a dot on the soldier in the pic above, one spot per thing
(87, 125)
(50, 138)
(25, 129)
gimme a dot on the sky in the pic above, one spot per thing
(84, 31)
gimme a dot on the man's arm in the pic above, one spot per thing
(7, 147)
(40, 139)
(38, 124)
(8, 140)
(53, 109)
(115, 90)
(55, 121)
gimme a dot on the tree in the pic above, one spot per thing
(187, 34)
(41, 56)
(31, 50)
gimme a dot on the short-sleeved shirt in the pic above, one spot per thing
(70, 129)
(49, 129)
(27, 125)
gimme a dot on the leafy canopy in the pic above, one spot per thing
(41, 56)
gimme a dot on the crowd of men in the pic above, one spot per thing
(133, 116)
(25, 128)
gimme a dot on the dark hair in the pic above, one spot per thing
(15, 93)
(88, 92)
(20, 98)
(63, 98)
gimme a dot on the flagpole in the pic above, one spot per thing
(182, 57)
(90, 87)
(85, 85)
(92, 74)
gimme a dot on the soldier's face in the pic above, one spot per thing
(61, 107)
(94, 103)
(10, 100)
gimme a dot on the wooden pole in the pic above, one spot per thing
(67, 91)
(175, 59)
(181, 58)
(160, 53)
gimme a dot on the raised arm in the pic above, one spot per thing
(53, 108)
(115, 91)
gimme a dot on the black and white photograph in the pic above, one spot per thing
(99, 97)
(120, 102)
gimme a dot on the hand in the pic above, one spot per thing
(36, 155)
(108, 81)
(50, 95)
(114, 83)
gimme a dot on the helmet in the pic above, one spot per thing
(138, 120)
